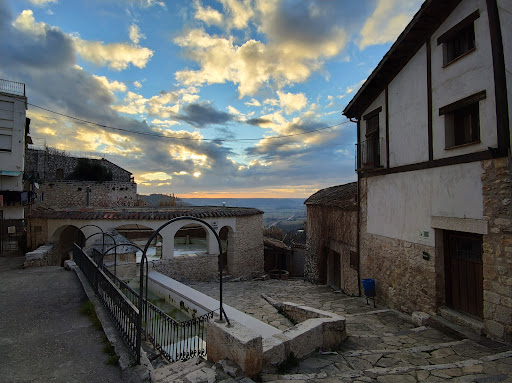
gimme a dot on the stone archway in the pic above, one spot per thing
(190, 239)
(227, 238)
(64, 237)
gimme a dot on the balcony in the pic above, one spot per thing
(12, 87)
(368, 154)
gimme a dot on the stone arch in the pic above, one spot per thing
(191, 238)
(139, 234)
(227, 238)
(64, 237)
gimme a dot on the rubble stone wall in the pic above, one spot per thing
(69, 194)
(497, 247)
(248, 259)
(335, 229)
(192, 268)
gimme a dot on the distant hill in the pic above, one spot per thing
(287, 213)
(156, 200)
(258, 203)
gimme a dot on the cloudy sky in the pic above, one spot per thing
(219, 98)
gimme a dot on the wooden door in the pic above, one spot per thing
(464, 272)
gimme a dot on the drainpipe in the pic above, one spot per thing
(358, 236)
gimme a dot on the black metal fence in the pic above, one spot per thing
(121, 310)
(176, 340)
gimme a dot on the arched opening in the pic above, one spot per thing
(139, 235)
(190, 239)
(64, 237)
(228, 246)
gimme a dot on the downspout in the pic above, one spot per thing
(358, 247)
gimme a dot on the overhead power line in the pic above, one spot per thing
(151, 134)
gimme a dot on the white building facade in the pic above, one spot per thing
(13, 129)
(434, 165)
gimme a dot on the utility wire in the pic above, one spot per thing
(187, 138)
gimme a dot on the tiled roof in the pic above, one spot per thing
(342, 196)
(145, 213)
(274, 243)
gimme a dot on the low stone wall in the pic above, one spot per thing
(316, 329)
(193, 268)
(46, 255)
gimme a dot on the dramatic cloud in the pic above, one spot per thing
(201, 115)
(290, 54)
(113, 86)
(207, 14)
(387, 21)
(42, 3)
(292, 102)
(117, 56)
(135, 34)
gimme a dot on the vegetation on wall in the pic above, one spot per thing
(87, 170)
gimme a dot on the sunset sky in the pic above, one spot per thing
(209, 87)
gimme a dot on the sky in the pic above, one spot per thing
(224, 98)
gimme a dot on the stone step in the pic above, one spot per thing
(460, 319)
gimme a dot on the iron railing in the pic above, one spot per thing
(176, 340)
(12, 87)
(368, 153)
(121, 310)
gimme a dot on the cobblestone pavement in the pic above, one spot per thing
(382, 345)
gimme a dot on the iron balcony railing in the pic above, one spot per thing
(12, 87)
(368, 154)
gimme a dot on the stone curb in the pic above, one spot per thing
(130, 373)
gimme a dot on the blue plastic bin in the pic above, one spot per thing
(369, 287)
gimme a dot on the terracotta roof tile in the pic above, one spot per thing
(342, 196)
(145, 213)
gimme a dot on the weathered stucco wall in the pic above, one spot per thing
(400, 205)
(70, 194)
(469, 75)
(335, 229)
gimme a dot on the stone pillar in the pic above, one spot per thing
(167, 242)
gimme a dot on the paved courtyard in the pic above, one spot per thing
(382, 345)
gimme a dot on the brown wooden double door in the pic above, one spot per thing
(464, 272)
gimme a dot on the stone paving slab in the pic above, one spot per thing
(383, 345)
(43, 335)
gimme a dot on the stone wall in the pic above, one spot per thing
(46, 255)
(248, 259)
(403, 279)
(335, 229)
(70, 194)
(191, 268)
(52, 166)
(497, 247)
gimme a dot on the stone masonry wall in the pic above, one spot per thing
(403, 279)
(45, 166)
(69, 194)
(497, 247)
(193, 268)
(248, 259)
(336, 229)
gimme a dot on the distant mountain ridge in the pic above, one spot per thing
(258, 203)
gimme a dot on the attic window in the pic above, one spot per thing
(459, 40)
(462, 121)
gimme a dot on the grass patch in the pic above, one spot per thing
(88, 310)
(289, 364)
(113, 358)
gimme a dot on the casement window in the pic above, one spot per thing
(462, 121)
(459, 40)
(370, 148)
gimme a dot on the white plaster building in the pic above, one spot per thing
(434, 164)
(13, 130)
